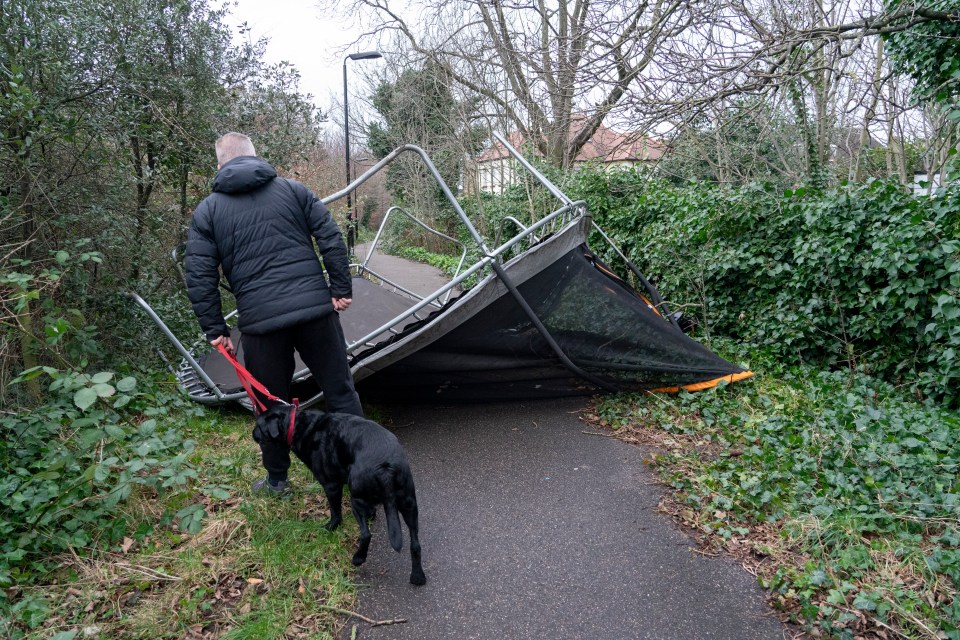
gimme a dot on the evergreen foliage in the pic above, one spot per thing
(419, 108)
(930, 53)
(108, 114)
(847, 487)
(863, 277)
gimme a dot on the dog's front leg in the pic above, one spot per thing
(334, 492)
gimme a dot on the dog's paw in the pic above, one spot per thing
(418, 578)
(358, 559)
(332, 524)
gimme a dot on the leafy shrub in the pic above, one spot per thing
(861, 484)
(69, 463)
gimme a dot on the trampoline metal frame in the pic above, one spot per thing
(364, 267)
(201, 388)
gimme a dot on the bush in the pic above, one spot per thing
(69, 463)
(851, 488)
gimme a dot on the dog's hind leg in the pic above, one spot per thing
(334, 492)
(361, 511)
(410, 515)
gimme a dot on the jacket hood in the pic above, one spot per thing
(243, 174)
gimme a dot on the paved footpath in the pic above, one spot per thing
(419, 278)
(533, 529)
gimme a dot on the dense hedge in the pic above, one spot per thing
(864, 277)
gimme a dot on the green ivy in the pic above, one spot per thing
(863, 277)
(861, 481)
(929, 53)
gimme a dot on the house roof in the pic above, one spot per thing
(606, 145)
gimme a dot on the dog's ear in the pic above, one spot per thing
(268, 424)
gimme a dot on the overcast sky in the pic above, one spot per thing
(299, 35)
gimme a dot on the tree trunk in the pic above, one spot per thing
(24, 318)
(809, 141)
(871, 112)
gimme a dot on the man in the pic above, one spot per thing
(260, 229)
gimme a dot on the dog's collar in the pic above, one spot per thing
(293, 420)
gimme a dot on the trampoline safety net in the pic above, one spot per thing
(602, 325)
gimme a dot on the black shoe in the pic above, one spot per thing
(281, 489)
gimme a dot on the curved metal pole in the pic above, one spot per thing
(502, 224)
(176, 343)
(654, 294)
(478, 266)
(422, 225)
(350, 188)
(552, 188)
(419, 223)
(497, 268)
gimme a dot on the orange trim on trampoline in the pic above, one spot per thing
(708, 384)
(650, 304)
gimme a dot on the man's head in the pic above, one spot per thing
(233, 145)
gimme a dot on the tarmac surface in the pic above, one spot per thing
(417, 277)
(534, 526)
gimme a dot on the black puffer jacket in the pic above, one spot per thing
(260, 229)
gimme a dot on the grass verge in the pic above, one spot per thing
(256, 567)
(838, 493)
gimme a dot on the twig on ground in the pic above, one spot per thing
(354, 614)
(146, 571)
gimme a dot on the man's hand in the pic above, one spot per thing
(226, 342)
(341, 304)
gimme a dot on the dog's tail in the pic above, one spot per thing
(393, 525)
(394, 531)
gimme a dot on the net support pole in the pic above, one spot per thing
(560, 195)
(557, 349)
(478, 239)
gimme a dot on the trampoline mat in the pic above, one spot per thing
(373, 306)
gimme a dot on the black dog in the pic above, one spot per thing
(344, 449)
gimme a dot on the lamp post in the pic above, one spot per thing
(351, 222)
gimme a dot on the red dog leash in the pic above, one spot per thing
(293, 418)
(250, 384)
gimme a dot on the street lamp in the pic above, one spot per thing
(351, 223)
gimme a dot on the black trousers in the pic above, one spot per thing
(321, 345)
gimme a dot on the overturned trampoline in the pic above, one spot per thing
(536, 316)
